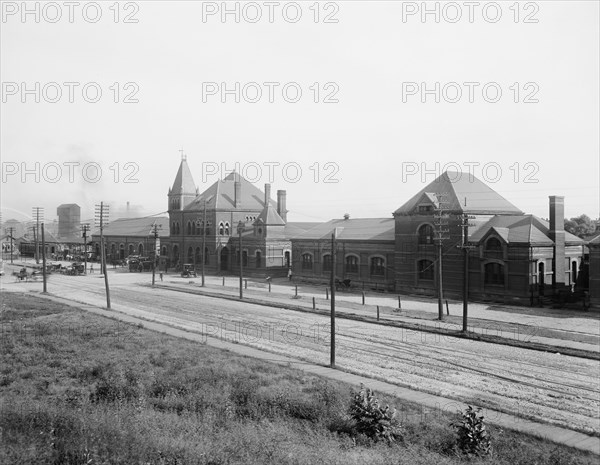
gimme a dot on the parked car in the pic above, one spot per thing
(188, 270)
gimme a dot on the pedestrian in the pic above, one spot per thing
(161, 276)
(290, 274)
(91, 269)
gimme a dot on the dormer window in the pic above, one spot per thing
(493, 245)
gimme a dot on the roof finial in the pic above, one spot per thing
(183, 156)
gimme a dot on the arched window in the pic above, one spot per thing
(177, 230)
(258, 259)
(327, 263)
(425, 234)
(288, 261)
(227, 229)
(121, 251)
(193, 228)
(140, 249)
(190, 255)
(307, 261)
(494, 273)
(189, 228)
(197, 256)
(221, 228)
(130, 251)
(206, 256)
(493, 244)
(351, 264)
(377, 266)
(425, 269)
(164, 251)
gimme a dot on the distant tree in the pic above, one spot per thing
(580, 226)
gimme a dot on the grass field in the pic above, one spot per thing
(77, 388)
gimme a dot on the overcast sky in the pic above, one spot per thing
(369, 129)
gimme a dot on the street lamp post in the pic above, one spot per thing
(240, 229)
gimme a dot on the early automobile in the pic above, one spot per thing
(188, 270)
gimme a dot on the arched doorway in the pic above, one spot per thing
(122, 252)
(541, 276)
(288, 262)
(573, 273)
(224, 259)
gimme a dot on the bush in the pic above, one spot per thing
(473, 438)
(371, 419)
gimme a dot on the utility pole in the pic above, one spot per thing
(84, 229)
(101, 217)
(440, 231)
(11, 231)
(154, 231)
(240, 231)
(45, 291)
(465, 248)
(37, 213)
(332, 285)
(203, 241)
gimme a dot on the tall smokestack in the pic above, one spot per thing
(281, 209)
(267, 194)
(557, 234)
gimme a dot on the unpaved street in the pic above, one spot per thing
(549, 386)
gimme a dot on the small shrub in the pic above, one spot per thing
(371, 419)
(473, 438)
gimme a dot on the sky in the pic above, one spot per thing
(350, 106)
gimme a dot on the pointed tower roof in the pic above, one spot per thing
(184, 182)
(270, 217)
(462, 193)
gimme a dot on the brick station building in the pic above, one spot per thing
(514, 257)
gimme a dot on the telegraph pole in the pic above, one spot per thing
(155, 228)
(440, 231)
(465, 247)
(37, 213)
(45, 291)
(11, 231)
(332, 285)
(203, 241)
(85, 228)
(240, 230)
(101, 217)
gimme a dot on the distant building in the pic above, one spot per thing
(69, 220)
(130, 236)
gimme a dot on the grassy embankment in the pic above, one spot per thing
(77, 388)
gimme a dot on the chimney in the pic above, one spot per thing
(557, 234)
(281, 196)
(237, 194)
(267, 194)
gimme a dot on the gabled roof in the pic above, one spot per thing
(366, 229)
(136, 226)
(270, 217)
(523, 229)
(295, 229)
(462, 193)
(595, 240)
(221, 195)
(184, 182)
